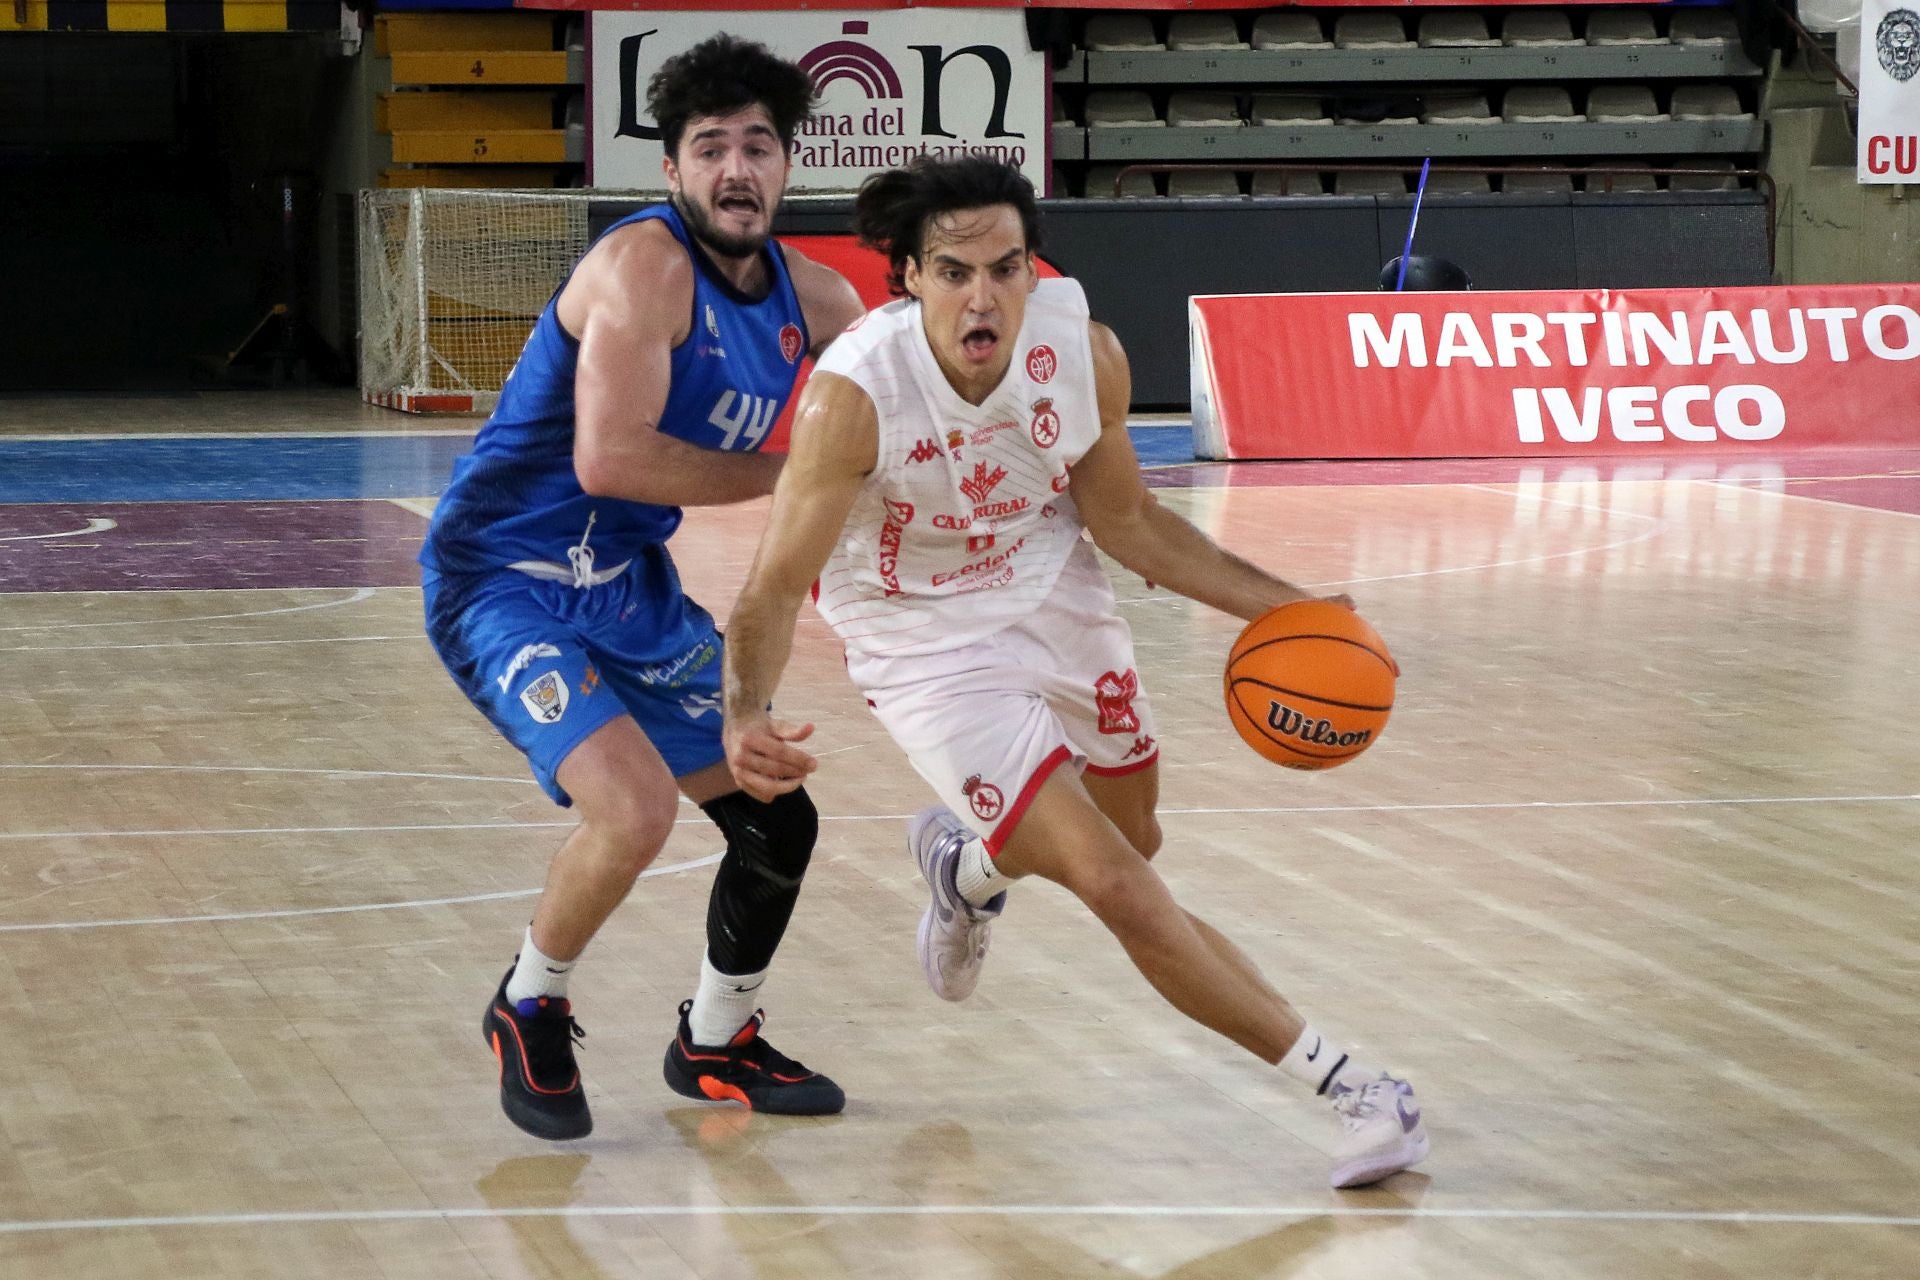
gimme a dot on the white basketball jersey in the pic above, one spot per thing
(965, 523)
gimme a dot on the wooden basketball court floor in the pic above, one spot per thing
(1628, 887)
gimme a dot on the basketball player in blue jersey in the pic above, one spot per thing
(649, 384)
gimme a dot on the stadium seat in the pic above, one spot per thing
(1631, 183)
(1527, 183)
(1456, 184)
(1538, 104)
(1121, 109)
(1203, 31)
(1203, 111)
(1703, 26)
(1370, 184)
(1270, 183)
(1538, 29)
(1289, 29)
(1458, 108)
(1622, 27)
(1370, 31)
(1119, 32)
(1455, 29)
(1289, 109)
(1707, 102)
(1704, 182)
(1623, 104)
(1218, 183)
(1100, 182)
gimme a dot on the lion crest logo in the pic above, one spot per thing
(1897, 42)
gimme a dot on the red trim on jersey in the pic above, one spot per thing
(1121, 771)
(1001, 833)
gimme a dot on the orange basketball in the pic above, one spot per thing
(1309, 684)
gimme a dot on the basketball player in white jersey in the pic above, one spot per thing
(947, 455)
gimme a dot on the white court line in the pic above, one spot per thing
(269, 768)
(422, 507)
(95, 524)
(1484, 806)
(363, 593)
(1409, 1213)
(1753, 486)
(667, 870)
(204, 644)
(1659, 527)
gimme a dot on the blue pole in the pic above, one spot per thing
(1419, 194)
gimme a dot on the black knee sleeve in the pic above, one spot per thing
(768, 848)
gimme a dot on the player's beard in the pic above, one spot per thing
(695, 215)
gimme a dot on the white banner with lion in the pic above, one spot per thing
(1889, 91)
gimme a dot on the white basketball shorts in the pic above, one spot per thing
(986, 724)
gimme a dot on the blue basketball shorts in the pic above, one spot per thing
(548, 663)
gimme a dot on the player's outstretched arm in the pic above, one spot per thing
(630, 302)
(1129, 524)
(835, 444)
(827, 300)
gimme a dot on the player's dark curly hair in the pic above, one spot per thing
(724, 74)
(894, 208)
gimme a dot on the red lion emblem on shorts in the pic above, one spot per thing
(1113, 695)
(985, 798)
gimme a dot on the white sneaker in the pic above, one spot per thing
(953, 933)
(1381, 1133)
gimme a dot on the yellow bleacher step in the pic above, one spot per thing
(496, 146)
(514, 66)
(453, 32)
(488, 176)
(470, 111)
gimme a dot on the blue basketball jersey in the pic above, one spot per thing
(514, 500)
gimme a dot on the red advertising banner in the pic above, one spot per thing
(1167, 5)
(1548, 374)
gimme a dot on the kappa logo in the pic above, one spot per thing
(791, 342)
(546, 698)
(1042, 363)
(591, 683)
(924, 450)
(982, 482)
(1046, 425)
(524, 659)
(1141, 746)
(985, 798)
(1113, 695)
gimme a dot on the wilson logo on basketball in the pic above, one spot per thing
(1113, 695)
(1321, 733)
(924, 450)
(791, 342)
(1046, 424)
(1041, 363)
(984, 797)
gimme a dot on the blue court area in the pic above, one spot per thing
(292, 468)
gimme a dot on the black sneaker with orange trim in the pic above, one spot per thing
(749, 1071)
(539, 1083)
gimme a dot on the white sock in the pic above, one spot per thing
(1322, 1064)
(723, 1003)
(537, 974)
(975, 876)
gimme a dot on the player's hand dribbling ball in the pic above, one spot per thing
(1309, 684)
